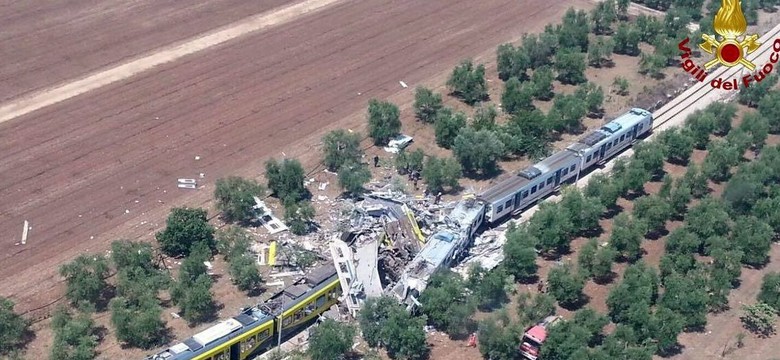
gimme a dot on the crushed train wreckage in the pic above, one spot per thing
(394, 243)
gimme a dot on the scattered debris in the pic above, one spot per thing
(24, 232)
(403, 84)
(279, 283)
(197, 157)
(186, 184)
(398, 143)
(267, 218)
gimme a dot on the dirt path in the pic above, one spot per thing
(171, 53)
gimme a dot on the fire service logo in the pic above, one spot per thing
(729, 49)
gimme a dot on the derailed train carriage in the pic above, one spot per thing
(259, 327)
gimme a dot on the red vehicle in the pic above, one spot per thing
(534, 338)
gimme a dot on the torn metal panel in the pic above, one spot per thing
(267, 218)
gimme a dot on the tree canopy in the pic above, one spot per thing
(285, 179)
(384, 121)
(426, 104)
(352, 177)
(383, 321)
(75, 337)
(467, 82)
(185, 227)
(478, 151)
(235, 197)
(12, 327)
(441, 172)
(341, 147)
(85, 277)
(331, 340)
(446, 304)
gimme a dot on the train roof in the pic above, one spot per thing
(313, 282)
(250, 318)
(625, 121)
(512, 184)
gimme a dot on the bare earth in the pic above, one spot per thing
(103, 165)
(48, 42)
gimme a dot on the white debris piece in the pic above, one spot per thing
(197, 158)
(286, 274)
(24, 232)
(403, 84)
(323, 185)
(395, 145)
(322, 197)
(269, 221)
(127, 211)
(186, 186)
(208, 265)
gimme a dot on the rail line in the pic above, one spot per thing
(722, 72)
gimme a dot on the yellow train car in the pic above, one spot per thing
(263, 325)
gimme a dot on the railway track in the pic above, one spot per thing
(673, 113)
(688, 100)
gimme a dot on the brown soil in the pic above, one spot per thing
(45, 43)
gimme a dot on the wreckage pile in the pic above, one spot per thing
(389, 243)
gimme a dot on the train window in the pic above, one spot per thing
(508, 204)
(286, 321)
(533, 189)
(321, 301)
(222, 356)
(550, 180)
(266, 333)
(622, 137)
(572, 168)
(309, 308)
(525, 194)
(299, 315)
(565, 171)
(588, 159)
(541, 185)
(500, 208)
(609, 146)
(248, 344)
(614, 143)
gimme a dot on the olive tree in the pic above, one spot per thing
(384, 121)
(235, 197)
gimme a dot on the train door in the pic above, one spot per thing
(235, 351)
(634, 132)
(558, 177)
(518, 197)
(602, 151)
